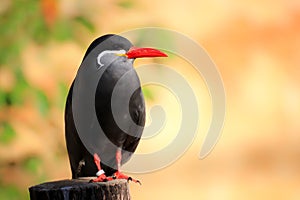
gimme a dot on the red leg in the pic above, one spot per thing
(101, 177)
(118, 158)
(97, 161)
(118, 174)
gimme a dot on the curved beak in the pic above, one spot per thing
(136, 52)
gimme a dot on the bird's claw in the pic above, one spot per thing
(119, 175)
(101, 178)
(134, 180)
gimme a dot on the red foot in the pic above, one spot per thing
(119, 175)
(101, 177)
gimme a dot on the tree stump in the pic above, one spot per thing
(76, 189)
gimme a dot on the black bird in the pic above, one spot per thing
(112, 57)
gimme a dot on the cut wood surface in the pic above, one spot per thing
(76, 189)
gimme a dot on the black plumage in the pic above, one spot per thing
(120, 116)
(78, 153)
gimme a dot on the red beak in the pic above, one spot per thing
(135, 52)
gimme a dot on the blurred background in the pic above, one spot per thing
(255, 44)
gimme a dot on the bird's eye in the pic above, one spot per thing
(99, 57)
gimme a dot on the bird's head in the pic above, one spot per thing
(112, 47)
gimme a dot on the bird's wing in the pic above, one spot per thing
(137, 112)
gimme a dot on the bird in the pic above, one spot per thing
(112, 57)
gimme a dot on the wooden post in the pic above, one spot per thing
(80, 189)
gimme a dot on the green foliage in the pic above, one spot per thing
(32, 164)
(21, 20)
(62, 96)
(42, 102)
(86, 23)
(10, 192)
(62, 30)
(3, 96)
(25, 21)
(15, 96)
(127, 4)
(148, 93)
(7, 133)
